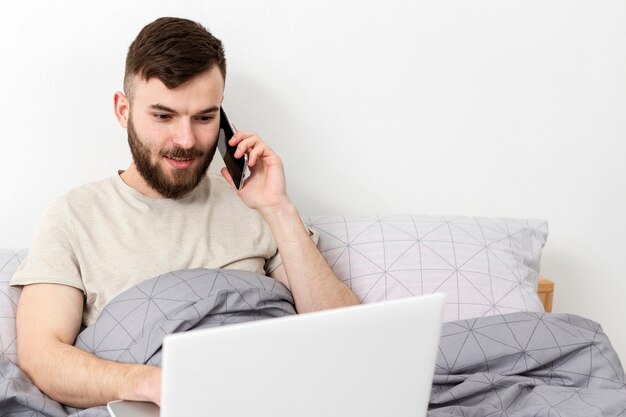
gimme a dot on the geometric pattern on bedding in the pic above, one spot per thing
(485, 266)
(9, 262)
(527, 364)
(561, 349)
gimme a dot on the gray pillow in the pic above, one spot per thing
(485, 266)
(9, 261)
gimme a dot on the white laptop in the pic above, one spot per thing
(371, 360)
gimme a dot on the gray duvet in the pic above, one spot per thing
(518, 364)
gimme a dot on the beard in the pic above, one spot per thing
(180, 181)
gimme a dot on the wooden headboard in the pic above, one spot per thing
(546, 292)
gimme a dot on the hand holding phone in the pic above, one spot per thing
(237, 167)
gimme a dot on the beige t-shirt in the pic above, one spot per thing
(105, 237)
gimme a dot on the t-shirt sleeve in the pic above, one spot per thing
(52, 255)
(276, 261)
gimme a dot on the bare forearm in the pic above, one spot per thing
(313, 283)
(80, 379)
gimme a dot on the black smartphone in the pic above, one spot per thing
(237, 167)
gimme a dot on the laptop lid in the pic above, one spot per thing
(370, 360)
(124, 408)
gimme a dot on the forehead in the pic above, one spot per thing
(207, 88)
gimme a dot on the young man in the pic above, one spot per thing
(163, 213)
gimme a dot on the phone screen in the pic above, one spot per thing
(237, 167)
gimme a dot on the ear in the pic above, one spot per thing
(121, 107)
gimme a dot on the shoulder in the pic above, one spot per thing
(91, 190)
(221, 191)
(92, 194)
(225, 199)
(218, 184)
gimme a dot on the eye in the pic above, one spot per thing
(205, 118)
(162, 117)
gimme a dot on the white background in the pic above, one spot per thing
(489, 108)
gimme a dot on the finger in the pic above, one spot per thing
(241, 145)
(257, 152)
(246, 145)
(240, 136)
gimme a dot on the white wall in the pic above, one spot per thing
(492, 108)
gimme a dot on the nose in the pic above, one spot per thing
(184, 137)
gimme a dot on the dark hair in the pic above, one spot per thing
(174, 50)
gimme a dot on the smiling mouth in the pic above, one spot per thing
(179, 163)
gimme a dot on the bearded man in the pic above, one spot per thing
(163, 213)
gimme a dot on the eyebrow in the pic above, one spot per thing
(161, 107)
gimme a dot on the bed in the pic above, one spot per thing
(501, 352)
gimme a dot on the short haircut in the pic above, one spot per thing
(174, 50)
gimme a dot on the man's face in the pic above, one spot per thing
(173, 133)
